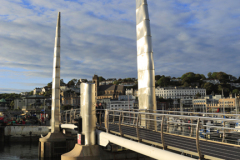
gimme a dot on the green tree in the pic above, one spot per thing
(222, 77)
(157, 77)
(72, 82)
(214, 75)
(186, 84)
(49, 84)
(31, 93)
(209, 87)
(12, 104)
(163, 81)
(101, 79)
(203, 76)
(235, 91)
(209, 75)
(62, 82)
(116, 82)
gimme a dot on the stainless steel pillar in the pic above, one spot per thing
(146, 71)
(55, 120)
(88, 112)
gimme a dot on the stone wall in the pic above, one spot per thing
(23, 133)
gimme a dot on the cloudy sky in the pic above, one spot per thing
(99, 37)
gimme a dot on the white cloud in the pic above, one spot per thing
(99, 37)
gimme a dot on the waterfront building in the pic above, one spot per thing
(203, 104)
(121, 105)
(3, 104)
(229, 104)
(126, 97)
(70, 97)
(29, 102)
(179, 92)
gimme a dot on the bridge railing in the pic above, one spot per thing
(68, 116)
(208, 134)
(188, 133)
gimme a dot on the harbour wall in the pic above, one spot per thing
(22, 133)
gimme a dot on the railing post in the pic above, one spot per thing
(122, 117)
(70, 116)
(113, 117)
(137, 126)
(162, 136)
(197, 140)
(107, 121)
(66, 117)
(100, 119)
(74, 116)
(167, 125)
(134, 120)
(191, 133)
(223, 136)
(119, 123)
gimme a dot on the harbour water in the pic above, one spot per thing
(19, 151)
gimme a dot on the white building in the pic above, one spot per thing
(37, 90)
(213, 81)
(178, 92)
(121, 105)
(45, 89)
(237, 85)
(126, 97)
(107, 82)
(127, 84)
(175, 80)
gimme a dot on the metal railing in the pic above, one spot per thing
(195, 135)
(205, 135)
(68, 116)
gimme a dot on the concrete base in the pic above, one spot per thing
(96, 152)
(54, 145)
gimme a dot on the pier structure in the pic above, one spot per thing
(55, 143)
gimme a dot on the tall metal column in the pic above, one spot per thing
(88, 112)
(145, 63)
(56, 81)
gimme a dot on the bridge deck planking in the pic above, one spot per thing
(218, 150)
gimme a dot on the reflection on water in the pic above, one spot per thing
(19, 151)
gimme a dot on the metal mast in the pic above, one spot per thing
(55, 120)
(146, 71)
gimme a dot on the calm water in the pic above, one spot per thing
(19, 151)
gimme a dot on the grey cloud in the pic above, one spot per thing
(100, 37)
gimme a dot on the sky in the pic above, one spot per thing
(99, 37)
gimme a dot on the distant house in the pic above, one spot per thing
(107, 82)
(70, 97)
(237, 85)
(3, 104)
(213, 81)
(127, 84)
(45, 89)
(107, 91)
(175, 80)
(37, 90)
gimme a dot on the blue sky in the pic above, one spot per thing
(99, 37)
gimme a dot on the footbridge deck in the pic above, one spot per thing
(204, 137)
